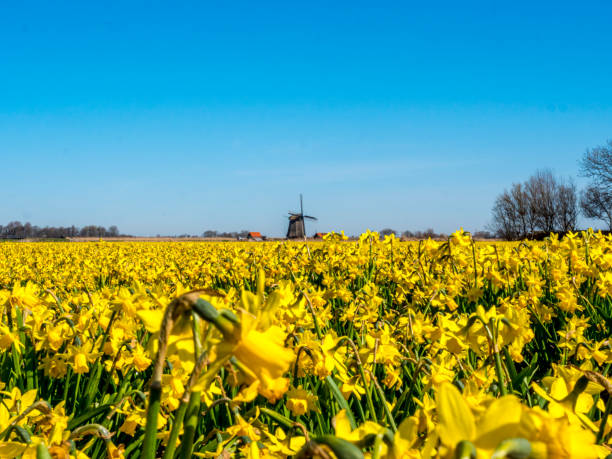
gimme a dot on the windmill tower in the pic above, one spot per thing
(297, 228)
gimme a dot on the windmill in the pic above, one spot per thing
(297, 228)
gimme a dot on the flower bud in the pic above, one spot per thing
(513, 448)
(465, 450)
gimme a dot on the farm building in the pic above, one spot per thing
(319, 235)
(255, 236)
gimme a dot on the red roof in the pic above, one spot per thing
(255, 234)
(320, 235)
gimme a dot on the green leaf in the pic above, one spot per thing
(341, 448)
(333, 387)
(513, 448)
(42, 452)
(87, 416)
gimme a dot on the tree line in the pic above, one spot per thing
(226, 234)
(545, 203)
(18, 230)
(430, 233)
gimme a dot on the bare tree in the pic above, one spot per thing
(566, 208)
(513, 213)
(597, 165)
(596, 203)
(505, 217)
(482, 234)
(596, 200)
(387, 232)
(541, 188)
(27, 230)
(543, 203)
(429, 232)
(19, 230)
(524, 212)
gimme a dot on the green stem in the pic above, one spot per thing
(314, 316)
(67, 384)
(17, 364)
(500, 375)
(337, 395)
(383, 400)
(191, 424)
(150, 437)
(475, 266)
(406, 394)
(492, 336)
(367, 386)
(107, 331)
(377, 449)
(511, 367)
(76, 393)
(604, 421)
(174, 433)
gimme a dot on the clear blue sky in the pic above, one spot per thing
(176, 117)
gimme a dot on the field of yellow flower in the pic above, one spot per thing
(369, 348)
